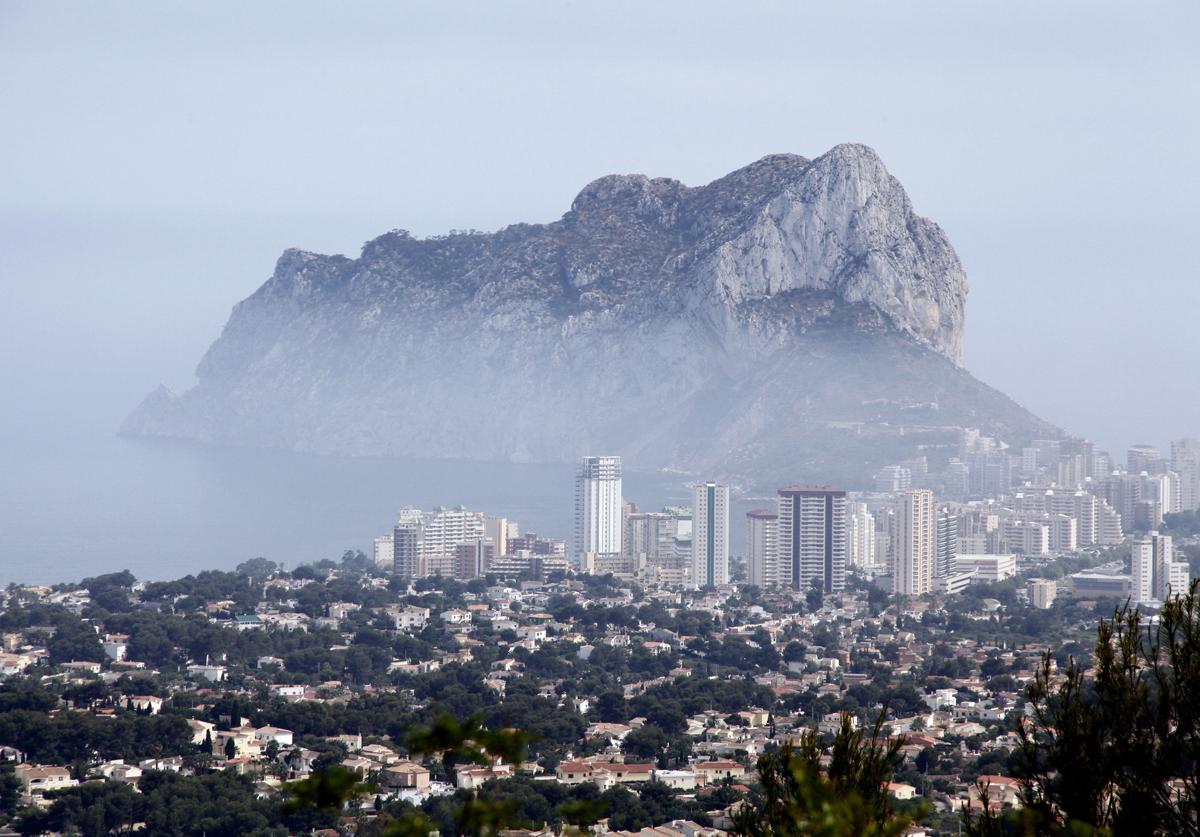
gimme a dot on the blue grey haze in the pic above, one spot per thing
(157, 158)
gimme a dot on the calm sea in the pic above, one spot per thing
(98, 308)
(87, 503)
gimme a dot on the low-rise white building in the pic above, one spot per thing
(281, 736)
(116, 646)
(988, 567)
(213, 674)
(36, 779)
(1042, 592)
(676, 779)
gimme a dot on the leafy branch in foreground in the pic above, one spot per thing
(473, 743)
(1113, 750)
(849, 800)
(469, 742)
(327, 790)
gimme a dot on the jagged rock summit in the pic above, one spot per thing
(795, 316)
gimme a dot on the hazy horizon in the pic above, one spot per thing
(165, 157)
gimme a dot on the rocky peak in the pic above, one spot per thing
(619, 199)
(683, 322)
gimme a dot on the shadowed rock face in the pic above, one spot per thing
(735, 327)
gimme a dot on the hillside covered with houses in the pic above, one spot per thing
(656, 703)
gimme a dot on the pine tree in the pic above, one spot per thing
(850, 800)
(1114, 749)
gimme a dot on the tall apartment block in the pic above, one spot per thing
(916, 543)
(499, 531)
(1155, 574)
(710, 535)
(598, 516)
(860, 535)
(408, 545)
(426, 543)
(812, 537)
(762, 548)
(946, 554)
(1185, 461)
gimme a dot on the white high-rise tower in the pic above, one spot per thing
(860, 535)
(946, 551)
(916, 544)
(408, 545)
(1185, 461)
(762, 548)
(597, 511)
(710, 535)
(812, 537)
(1156, 575)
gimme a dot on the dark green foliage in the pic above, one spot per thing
(204, 806)
(111, 592)
(1117, 751)
(257, 569)
(328, 790)
(1182, 524)
(737, 654)
(10, 794)
(73, 736)
(71, 639)
(554, 729)
(693, 695)
(611, 707)
(170, 641)
(814, 596)
(904, 699)
(527, 803)
(653, 804)
(84, 694)
(207, 586)
(357, 563)
(19, 694)
(849, 800)
(645, 742)
(877, 599)
(469, 741)
(211, 805)
(93, 809)
(124, 578)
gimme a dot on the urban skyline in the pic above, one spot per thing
(910, 541)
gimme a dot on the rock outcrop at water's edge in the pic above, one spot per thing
(793, 317)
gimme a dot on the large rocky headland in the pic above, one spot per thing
(793, 319)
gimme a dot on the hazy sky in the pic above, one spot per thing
(157, 158)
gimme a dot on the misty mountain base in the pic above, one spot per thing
(795, 316)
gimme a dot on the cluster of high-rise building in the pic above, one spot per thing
(1140, 492)
(1154, 573)
(675, 546)
(463, 544)
(921, 530)
(658, 544)
(803, 543)
(907, 539)
(997, 504)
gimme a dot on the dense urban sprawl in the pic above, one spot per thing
(648, 664)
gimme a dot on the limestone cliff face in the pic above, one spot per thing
(704, 327)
